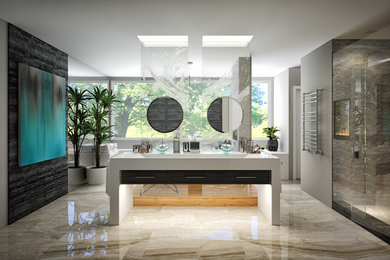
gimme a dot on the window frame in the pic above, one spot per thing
(270, 101)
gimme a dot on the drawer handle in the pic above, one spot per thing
(145, 177)
(195, 177)
(245, 177)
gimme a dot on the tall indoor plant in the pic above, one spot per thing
(101, 101)
(77, 131)
(272, 144)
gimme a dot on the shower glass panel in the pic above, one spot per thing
(361, 149)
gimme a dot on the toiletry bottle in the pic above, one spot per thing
(176, 144)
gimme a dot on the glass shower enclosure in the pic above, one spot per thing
(361, 133)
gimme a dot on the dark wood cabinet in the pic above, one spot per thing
(197, 177)
(246, 177)
(145, 177)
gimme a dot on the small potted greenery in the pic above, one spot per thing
(77, 131)
(272, 144)
(101, 101)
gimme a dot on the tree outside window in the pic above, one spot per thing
(259, 109)
(130, 113)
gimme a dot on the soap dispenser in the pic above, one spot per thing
(176, 144)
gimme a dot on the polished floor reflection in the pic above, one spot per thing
(76, 226)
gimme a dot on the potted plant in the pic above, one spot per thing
(77, 130)
(101, 101)
(272, 143)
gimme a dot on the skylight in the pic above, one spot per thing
(164, 40)
(226, 40)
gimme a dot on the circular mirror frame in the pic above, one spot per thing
(208, 114)
(155, 105)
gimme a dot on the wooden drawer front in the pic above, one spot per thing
(198, 177)
(246, 177)
(145, 177)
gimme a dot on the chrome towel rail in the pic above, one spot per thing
(310, 116)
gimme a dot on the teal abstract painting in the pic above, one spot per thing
(42, 115)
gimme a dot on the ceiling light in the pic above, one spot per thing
(163, 40)
(226, 40)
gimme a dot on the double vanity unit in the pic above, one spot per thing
(128, 168)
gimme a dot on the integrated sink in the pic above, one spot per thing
(195, 155)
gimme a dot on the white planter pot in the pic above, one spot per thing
(76, 176)
(96, 176)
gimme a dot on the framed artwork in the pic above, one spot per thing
(341, 119)
(42, 115)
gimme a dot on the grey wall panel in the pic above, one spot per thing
(32, 186)
(316, 170)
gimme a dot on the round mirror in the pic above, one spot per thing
(225, 114)
(164, 114)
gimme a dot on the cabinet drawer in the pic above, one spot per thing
(246, 177)
(145, 177)
(208, 177)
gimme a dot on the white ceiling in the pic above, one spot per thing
(103, 34)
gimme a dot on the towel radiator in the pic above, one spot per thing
(310, 127)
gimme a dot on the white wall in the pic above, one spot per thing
(316, 170)
(283, 110)
(294, 79)
(4, 123)
(281, 104)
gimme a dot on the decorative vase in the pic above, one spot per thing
(76, 175)
(96, 176)
(272, 145)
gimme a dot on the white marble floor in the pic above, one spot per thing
(76, 226)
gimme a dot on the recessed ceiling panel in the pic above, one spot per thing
(163, 40)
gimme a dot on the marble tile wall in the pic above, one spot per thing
(245, 83)
(361, 184)
(32, 186)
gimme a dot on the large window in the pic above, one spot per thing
(130, 114)
(88, 85)
(260, 105)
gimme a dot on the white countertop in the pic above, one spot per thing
(201, 155)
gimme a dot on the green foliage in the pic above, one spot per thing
(270, 132)
(135, 97)
(200, 95)
(131, 110)
(102, 100)
(259, 111)
(77, 120)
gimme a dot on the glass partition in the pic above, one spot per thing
(361, 155)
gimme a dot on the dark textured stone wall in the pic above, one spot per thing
(214, 114)
(165, 114)
(32, 186)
